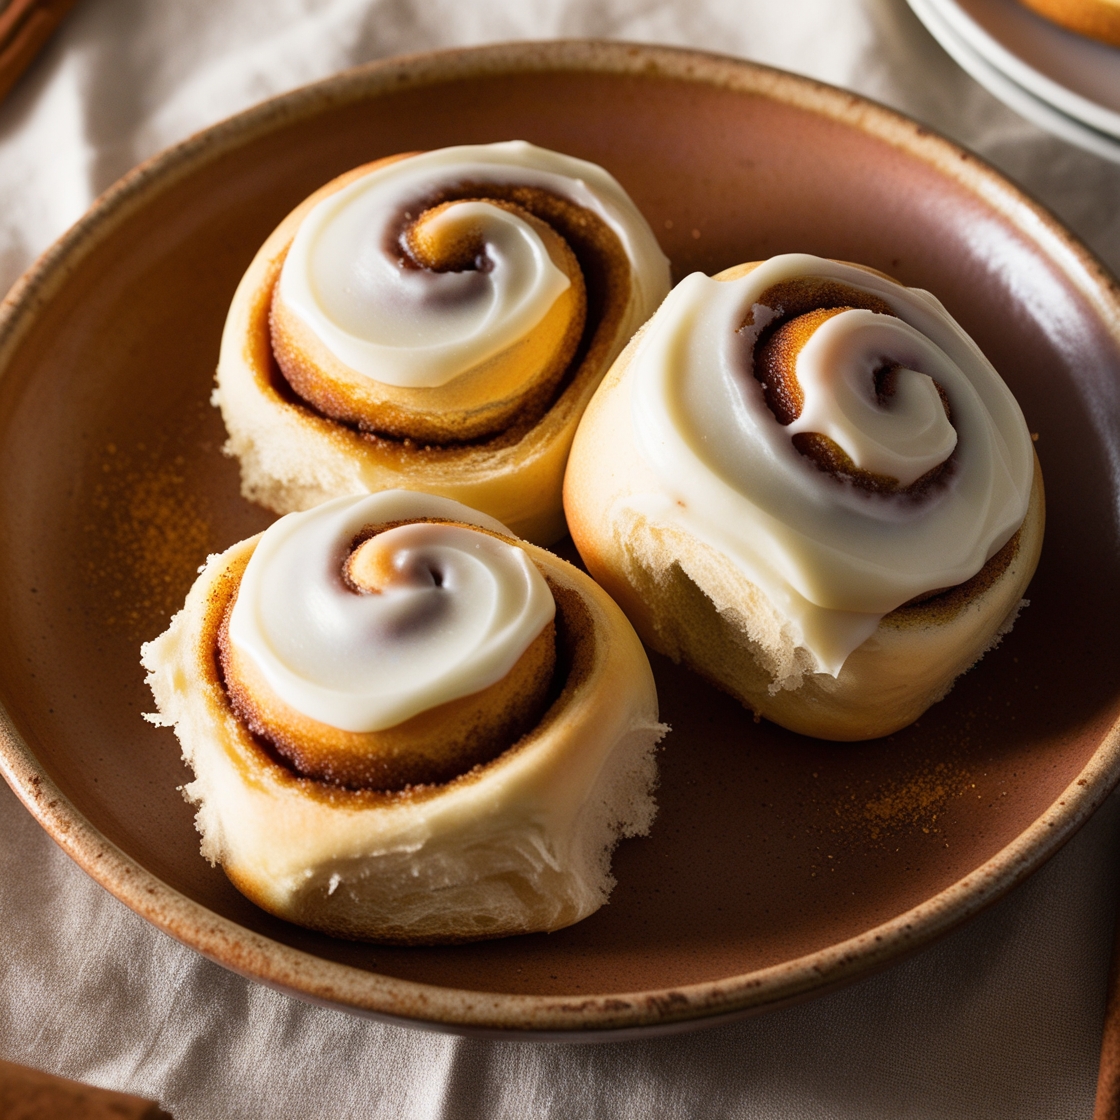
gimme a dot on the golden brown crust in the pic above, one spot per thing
(582, 242)
(1099, 19)
(919, 649)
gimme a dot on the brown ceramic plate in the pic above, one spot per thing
(779, 866)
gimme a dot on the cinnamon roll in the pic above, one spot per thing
(805, 481)
(436, 321)
(1098, 19)
(406, 725)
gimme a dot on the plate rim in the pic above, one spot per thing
(613, 1016)
(1071, 103)
(1041, 113)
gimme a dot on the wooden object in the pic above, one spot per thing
(30, 1094)
(25, 27)
(1107, 1105)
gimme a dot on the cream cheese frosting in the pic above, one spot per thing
(835, 369)
(413, 327)
(832, 557)
(456, 610)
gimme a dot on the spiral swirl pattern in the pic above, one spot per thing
(856, 410)
(403, 324)
(891, 461)
(437, 296)
(361, 633)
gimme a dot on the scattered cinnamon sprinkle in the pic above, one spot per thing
(867, 813)
(916, 802)
(148, 535)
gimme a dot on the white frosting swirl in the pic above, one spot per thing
(458, 613)
(835, 370)
(833, 558)
(418, 328)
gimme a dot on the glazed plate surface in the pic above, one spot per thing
(779, 866)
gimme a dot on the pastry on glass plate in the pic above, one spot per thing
(406, 725)
(806, 482)
(435, 321)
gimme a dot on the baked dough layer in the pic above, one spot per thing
(520, 844)
(688, 600)
(294, 457)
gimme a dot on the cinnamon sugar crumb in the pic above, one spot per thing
(147, 537)
(916, 802)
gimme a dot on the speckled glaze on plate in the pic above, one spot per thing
(779, 866)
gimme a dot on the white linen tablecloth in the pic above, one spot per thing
(1000, 1019)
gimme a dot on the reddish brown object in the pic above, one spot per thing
(29, 1094)
(1098, 19)
(779, 866)
(25, 27)
(1108, 1078)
